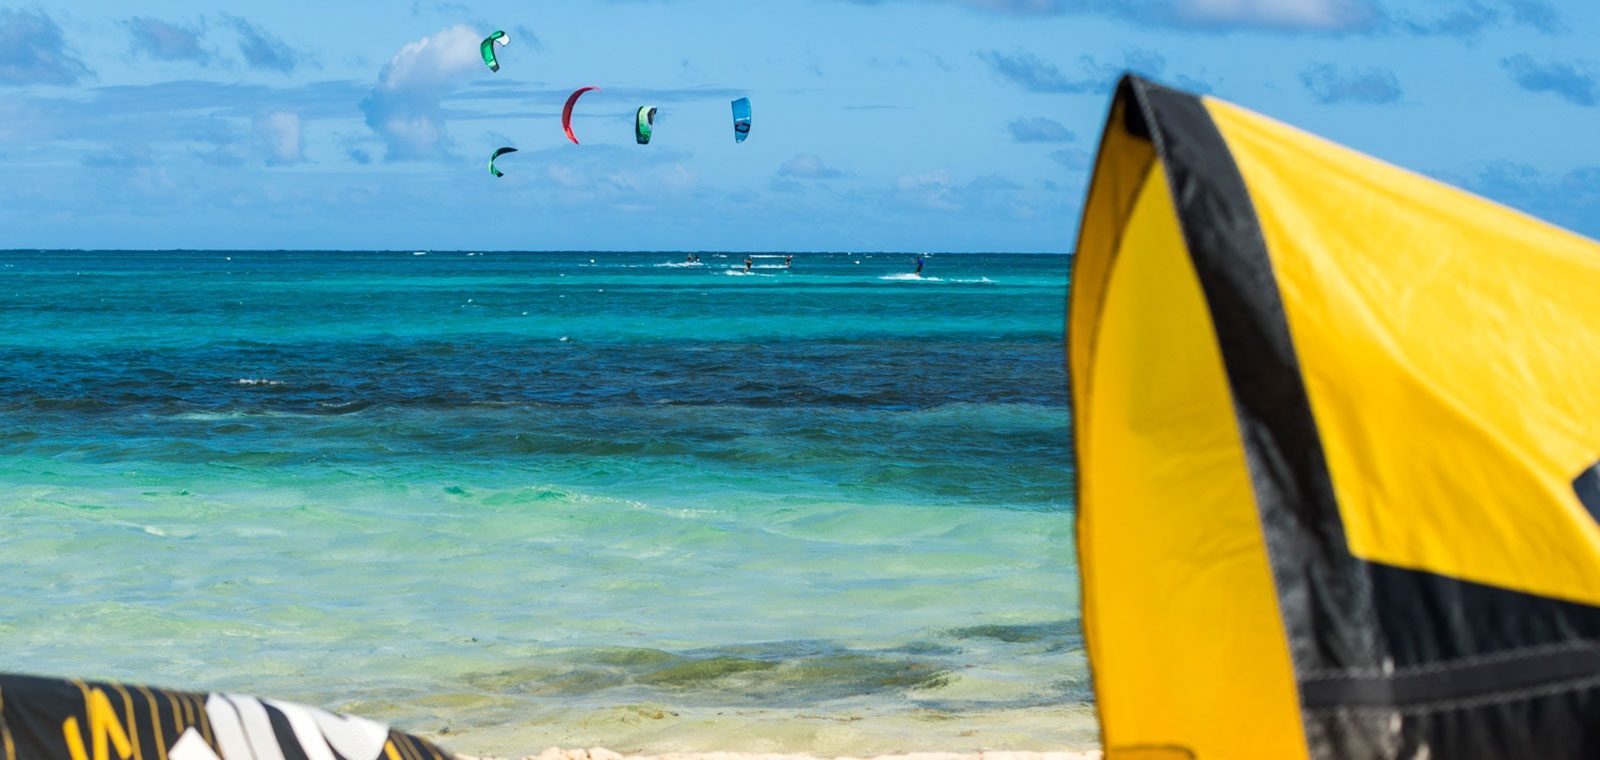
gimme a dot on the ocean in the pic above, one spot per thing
(512, 500)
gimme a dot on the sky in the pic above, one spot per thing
(901, 125)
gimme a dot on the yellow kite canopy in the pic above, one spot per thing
(1337, 428)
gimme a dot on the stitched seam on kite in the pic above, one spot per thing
(1510, 655)
(1466, 703)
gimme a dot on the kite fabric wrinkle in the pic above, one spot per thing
(566, 111)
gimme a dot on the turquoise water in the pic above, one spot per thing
(513, 500)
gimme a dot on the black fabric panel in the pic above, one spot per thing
(33, 710)
(1133, 115)
(1537, 725)
(1587, 487)
(1429, 619)
(1478, 672)
(1323, 598)
(1469, 678)
(288, 741)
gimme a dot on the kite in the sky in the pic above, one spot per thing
(497, 154)
(486, 48)
(566, 113)
(741, 119)
(644, 124)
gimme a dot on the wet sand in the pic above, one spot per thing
(1056, 732)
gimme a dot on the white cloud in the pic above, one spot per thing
(166, 41)
(33, 51)
(263, 49)
(929, 189)
(1281, 16)
(808, 166)
(1329, 15)
(1040, 130)
(605, 174)
(279, 133)
(987, 196)
(404, 108)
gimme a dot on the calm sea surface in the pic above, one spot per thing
(512, 500)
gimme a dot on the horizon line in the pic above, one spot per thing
(510, 251)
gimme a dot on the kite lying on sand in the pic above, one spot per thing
(53, 719)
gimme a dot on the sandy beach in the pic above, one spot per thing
(664, 731)
(600, 753)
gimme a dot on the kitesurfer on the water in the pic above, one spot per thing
(788, 261)
(919, 264)
(748, 262)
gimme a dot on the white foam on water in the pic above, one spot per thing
(233, 415)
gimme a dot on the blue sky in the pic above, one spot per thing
(939, 125)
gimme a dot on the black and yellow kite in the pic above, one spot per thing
(53, 719)
(1336, 433)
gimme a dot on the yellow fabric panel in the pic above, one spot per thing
(1181, 616)
(1149, 753)
(1450, 349)
(1120, 169)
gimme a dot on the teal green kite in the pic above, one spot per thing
(644, 124)
(486, 48)
(497, 154)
